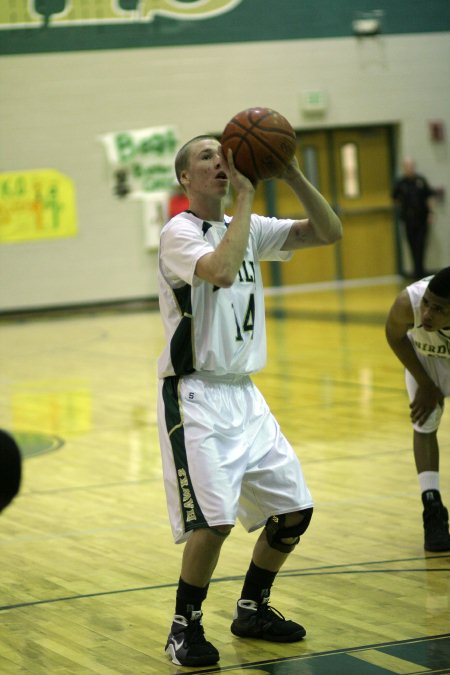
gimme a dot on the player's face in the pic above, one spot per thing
(435, 312)
(206, 168)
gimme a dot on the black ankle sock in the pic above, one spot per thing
(430, 497)
(258, 583)
(189, 598)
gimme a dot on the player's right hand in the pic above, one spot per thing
(237, 179)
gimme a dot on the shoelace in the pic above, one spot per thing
(265, 611)
(196, 632)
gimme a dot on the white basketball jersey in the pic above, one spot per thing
(209, 329)
(435, 344)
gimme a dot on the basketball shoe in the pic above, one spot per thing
(186, 644)
(435, 523)
(260, 621)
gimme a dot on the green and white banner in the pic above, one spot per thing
(142, 160)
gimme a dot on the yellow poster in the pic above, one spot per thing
(36, 205)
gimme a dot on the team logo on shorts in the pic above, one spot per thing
(188, 502)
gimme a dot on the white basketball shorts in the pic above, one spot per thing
(224, 456)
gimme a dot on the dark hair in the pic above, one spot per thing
(182, 158)
(10, 469)
(440, 283)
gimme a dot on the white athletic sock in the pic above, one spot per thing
(428, 480)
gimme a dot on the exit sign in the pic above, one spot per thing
(314, 101)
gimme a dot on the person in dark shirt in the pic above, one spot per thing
(411, 194)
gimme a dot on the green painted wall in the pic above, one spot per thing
(231, 21)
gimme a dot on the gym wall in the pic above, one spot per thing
(65, 85)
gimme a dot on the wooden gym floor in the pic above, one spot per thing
(88, 567)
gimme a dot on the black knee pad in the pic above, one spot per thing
(276, 531)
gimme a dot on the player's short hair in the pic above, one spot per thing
(440, 283)
(182, 158)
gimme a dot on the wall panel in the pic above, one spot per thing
(58, 104)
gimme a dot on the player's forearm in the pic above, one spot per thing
(326, 224)
(232, 248)
(221, 267)
(405, 353)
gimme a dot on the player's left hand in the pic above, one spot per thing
(425, 401)
(292, 169)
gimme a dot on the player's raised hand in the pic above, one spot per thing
(237, 179)
(292, 169)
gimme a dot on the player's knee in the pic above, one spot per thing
(431, 424)
(221, 531)
(283, 537)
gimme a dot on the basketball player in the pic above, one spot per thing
(418, 332)
(224, 455)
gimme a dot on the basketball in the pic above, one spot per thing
(263, 142)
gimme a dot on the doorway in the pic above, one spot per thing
(353, 169)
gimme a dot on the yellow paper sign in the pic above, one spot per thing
(36, 205)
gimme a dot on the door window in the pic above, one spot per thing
(350, 170)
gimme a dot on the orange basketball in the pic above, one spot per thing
(263, 142)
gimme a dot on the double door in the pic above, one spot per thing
(352, 168)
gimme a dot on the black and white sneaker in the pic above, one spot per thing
(435, 523)
(186, 644)
(260, 621)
